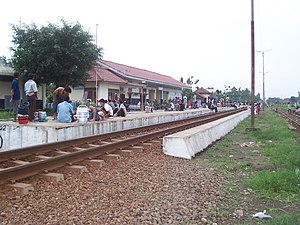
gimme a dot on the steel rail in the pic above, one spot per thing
(37, 167)
(44, 148)
(291, 117)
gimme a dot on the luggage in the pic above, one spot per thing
(23, 108)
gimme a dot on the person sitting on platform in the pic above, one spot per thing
(112, 104)
(106, 108)
(59, 95)
(121, 109)
(95, 114)
(65, 112)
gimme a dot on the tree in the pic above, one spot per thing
(57, 53)
(5, 61)
(187, 92)
(274, 101)
(233, 95)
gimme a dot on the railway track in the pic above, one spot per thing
(291, 117)
(25, 162)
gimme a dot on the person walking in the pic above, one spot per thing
(31, 94)
(15, 95)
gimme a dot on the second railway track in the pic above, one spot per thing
(291, 117)
(25, 162)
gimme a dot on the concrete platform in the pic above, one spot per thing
(16, 135)
(186, 144)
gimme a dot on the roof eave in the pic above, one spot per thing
(139, 79)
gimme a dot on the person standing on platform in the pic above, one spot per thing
(31, 94)
(60, 94)
(15, 95)
(258, 108)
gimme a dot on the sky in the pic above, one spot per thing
(207, 39)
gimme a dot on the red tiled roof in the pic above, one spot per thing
(104, 75)
(202, 91)
(144, 74)
(202, 96)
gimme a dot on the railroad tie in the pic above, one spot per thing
(137, 148)
(76, 169)
(62, 153)
(20, 162)
(92, 145)
(125, 152)
(94, 163)
(52, 177)
(43, 157)
(78, 148)
(156, 141)
(111, 157)
(22, 188)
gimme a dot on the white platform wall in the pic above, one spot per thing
(186, 144)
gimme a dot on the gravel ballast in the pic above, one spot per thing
(147, 188)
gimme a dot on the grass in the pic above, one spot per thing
(5, 115)
(281, 147)
(276, 182)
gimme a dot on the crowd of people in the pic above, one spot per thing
(64, 112)
(67, 114)
(107, 109)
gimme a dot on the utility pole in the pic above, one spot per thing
(252, 65)
(263, 71)
(96, 68)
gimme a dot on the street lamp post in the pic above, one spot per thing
(263, 71)
(252, 65)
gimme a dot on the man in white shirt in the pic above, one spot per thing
(106, 108)
(31, 93)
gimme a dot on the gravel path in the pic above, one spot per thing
(147, 188)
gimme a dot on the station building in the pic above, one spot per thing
(107, 80)
(6, 77)
(115, 81)
(202, 95)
